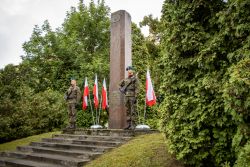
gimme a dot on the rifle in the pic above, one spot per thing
(124, 87)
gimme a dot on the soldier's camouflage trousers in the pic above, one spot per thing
(72, 115)
(130, 102)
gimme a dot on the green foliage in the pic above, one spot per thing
(236, 92)
(31, 94)
(32, 114)
(204, 61)
(84, 119)
(236, 95)
(244, 157)
(199, 57)
(80, 48)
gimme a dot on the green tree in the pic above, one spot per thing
(234, 24)
(193, 112)
(78, 49)
(30, 101)
(204, 45)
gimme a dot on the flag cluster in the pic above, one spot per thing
(104, 97)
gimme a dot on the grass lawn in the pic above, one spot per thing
(143, 151)
(24, 141)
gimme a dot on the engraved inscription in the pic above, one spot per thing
(115, 98)
(115, 18)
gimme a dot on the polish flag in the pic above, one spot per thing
(85, 95)
(104, 96)
(95, 92)
(150, 94)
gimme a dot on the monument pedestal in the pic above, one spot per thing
(109, 132)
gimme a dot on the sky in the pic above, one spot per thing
(18, 18)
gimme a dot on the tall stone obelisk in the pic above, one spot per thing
(120, 58)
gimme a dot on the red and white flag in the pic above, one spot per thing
(85, 95)
(104, 95)
(150, 94)
(95, 92)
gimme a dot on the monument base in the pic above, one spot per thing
(109, 132)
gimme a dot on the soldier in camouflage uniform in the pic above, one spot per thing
(130, 87)
(72, 96)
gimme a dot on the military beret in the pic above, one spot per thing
(129, 68)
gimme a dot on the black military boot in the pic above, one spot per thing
(132, 126)
(68, 126)
(71, 126)
(74, 126)
(128, 126)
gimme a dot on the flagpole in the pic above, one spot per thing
(91, 110)
(145, 107)
(83, 85)
(96, 115)
(100, 111)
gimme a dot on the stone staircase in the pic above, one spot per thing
(72, 148)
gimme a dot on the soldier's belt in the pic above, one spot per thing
(131, 89)
(71, 98)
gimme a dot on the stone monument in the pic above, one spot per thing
(120, 58)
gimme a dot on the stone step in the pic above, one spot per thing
(48, 158)
(92, 137)
(82, 142)
(14, 162)
(97, 143)
(109, 132)
(53, 151)
(72, 146)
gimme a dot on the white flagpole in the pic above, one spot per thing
(96, 116)
(145, 107)
(91, 110)
(100, 110)
(145, 104)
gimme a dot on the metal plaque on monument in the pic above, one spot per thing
(120, 58)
